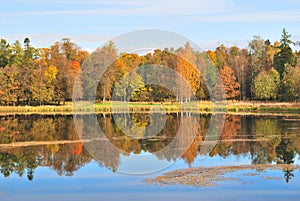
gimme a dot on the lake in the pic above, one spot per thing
(108, 157)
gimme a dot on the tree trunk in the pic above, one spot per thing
(103, 100)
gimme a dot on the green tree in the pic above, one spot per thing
(16, 57)
(27, 68)
(5, 53)
(285, 153)
(291, 83)
(206, 64)
(266, 85)
(128, 87)
(285, 54)
(257, 49)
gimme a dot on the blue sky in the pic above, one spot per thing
(89, 23)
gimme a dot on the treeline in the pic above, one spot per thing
(38, 75)
(261, 71)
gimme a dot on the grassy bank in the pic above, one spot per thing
(204, 106)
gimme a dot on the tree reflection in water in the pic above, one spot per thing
(266, 139)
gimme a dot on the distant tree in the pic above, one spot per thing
(187, 68)
(9, 85)
(16, 57)
(68, 49)
(271, 51)
(266, 85)
(221, 56)
(38, 87)
(209, 74)
(231, 86)
(5, 53)
(109, 69)
(238, 61)
(212, 55)
(43, 84)
(285, 54)
(257, 49)
(128, 87)
(27, 68)
(167, 58)
(64, 55)
(291, 83)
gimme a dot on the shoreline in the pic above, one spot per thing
(143, 107)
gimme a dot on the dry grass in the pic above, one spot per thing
(202, 106)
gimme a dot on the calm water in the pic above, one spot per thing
(41, 157)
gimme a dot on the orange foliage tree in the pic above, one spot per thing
(231, 86)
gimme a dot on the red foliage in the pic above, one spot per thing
(77, 148)
(74, 67)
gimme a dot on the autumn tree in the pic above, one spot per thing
(271, 51)
(76, 75)
(220, 56)
(9, 85)
(238, 61)
(231, 86)
(166, 58)
(108, 70)
(187, 68)
(62, 87)
(38, 88)
(67, 57)
(44, 84)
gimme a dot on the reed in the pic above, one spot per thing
(203, 106)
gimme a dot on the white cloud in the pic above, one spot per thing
(196, 10)
(271, 16)
(135, 8)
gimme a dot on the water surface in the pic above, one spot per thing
(42, 158)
